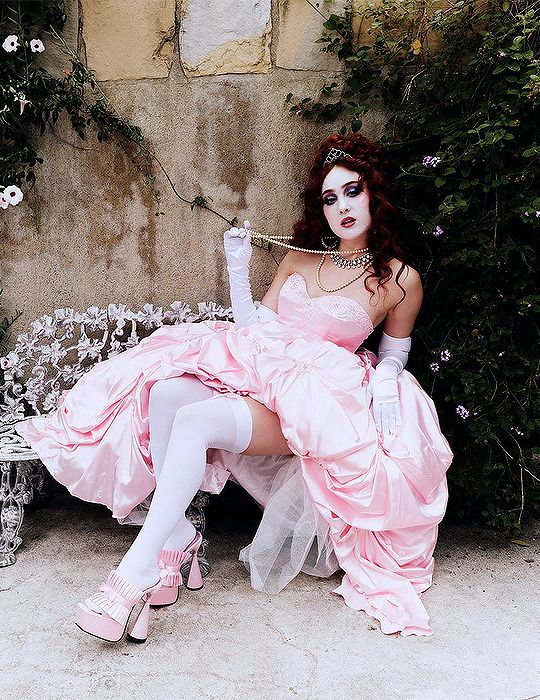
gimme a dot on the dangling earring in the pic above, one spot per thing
(330, 242)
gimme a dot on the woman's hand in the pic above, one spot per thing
(384, 387)
(237, 244)
(238, 248)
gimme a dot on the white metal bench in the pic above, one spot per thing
(50, 359)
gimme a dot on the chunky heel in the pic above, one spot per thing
(115, 600)
(170, 562)
(195, 579)
(138, 630)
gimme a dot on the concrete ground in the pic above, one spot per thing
(230, 641)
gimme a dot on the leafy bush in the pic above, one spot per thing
(460, 91)
(31, 97)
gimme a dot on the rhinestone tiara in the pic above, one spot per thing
(334, 154)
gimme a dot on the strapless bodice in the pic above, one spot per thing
(339, 319)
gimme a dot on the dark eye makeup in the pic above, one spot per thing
(351, 191)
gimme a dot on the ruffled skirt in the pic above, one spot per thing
(346, 498)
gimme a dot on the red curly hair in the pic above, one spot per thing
(373, 166)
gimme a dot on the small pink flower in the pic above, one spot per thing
(462, 412)
(438, 231)
(445, 355)
(430, 161)
(21, 99)
(434, 367)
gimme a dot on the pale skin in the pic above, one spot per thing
(342, 197)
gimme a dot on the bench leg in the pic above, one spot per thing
(18, 482)
(195, 514)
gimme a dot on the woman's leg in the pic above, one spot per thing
(167, 396)
(222, 422)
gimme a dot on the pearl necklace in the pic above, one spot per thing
(326, 289)
(340, 261)
(365, 256)
(279, 240)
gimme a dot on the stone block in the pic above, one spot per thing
(128, 40)
(232, 36)
(300, 25)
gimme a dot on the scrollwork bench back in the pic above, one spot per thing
(50, 359)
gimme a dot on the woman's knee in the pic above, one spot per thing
(179, 391)
(267, 437)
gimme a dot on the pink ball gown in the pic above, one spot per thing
(347, 498)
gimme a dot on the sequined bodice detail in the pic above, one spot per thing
(337, 318)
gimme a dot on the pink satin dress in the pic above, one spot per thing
(380, 498)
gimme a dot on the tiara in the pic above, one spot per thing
(334, 154)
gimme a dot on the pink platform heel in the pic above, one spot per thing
(117, 598)
(170, 562)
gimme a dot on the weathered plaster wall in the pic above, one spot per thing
(206, 82)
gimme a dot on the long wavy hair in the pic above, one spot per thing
(373, 166)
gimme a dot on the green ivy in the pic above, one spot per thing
(45, 96)
(460, 91)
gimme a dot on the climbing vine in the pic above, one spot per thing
(30, 97)
(459, 89)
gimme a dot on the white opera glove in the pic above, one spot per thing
(393, 355)
(238, 250)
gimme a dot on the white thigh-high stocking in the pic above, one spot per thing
(166, 397)
(222, 422)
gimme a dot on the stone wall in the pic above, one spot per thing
(206, 82)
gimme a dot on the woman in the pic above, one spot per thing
(346, 451)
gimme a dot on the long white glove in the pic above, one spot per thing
(393, 355)
(238, 249)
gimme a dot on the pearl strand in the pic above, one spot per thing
(277, 241)
(325, 289)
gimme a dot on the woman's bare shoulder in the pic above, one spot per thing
(294, 260)
(406, 275)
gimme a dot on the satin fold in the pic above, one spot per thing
(347, 497)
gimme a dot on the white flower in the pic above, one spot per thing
(11, 43)
(12, 194)
(50, 401)
(150, 317)
(15, 363)
(117, 312)
(37, 46)
(115, 349)
(52, 353)
(132, 341)
(68, 373)
(209, 310)
(26, 343)
(180, 313)
(44, 325)
(96, 318)
(87, 347)
(65, 316)
(4, 204)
